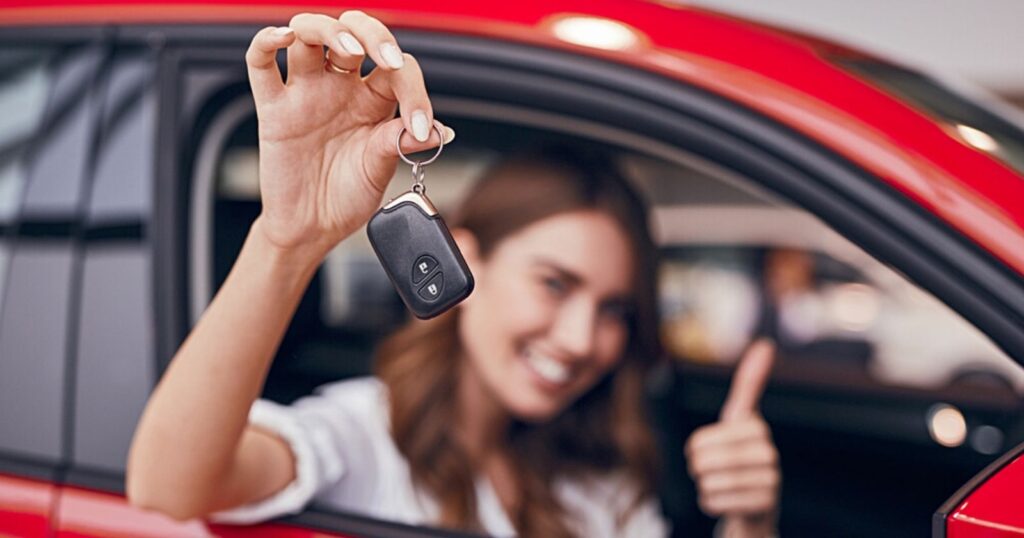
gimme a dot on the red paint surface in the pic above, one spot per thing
(995, 509)
(780, 74)
(85, 513)
(24, 506)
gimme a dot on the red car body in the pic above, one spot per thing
(791, 78)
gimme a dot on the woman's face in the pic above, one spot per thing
(547, 318)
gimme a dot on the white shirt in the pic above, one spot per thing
(346, 460)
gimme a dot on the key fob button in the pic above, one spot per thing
(424, 266)
(433, 288)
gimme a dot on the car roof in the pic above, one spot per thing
(793, 78)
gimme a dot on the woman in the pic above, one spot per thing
(519, 412)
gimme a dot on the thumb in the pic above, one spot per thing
(382, 151)
(749, 380)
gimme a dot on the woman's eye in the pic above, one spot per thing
(556, 286)
(616, 311)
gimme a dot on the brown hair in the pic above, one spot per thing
(605, 430)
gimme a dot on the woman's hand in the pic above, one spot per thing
(734, 461)
(327, 139)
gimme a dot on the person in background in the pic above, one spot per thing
(519, 412)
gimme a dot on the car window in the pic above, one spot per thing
(115, 345)
(60, 160)
(123, 180)
(36, 267)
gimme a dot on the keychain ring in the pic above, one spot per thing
(398, 146)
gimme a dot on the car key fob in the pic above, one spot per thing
(419, 255)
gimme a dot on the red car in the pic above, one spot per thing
(127, 160)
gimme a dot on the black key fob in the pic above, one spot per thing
(419, 255)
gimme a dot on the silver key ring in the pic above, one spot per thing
(420, 164)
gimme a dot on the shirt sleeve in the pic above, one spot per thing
(326, 432)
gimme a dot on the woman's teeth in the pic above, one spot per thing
(547, 368)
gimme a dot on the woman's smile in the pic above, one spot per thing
(550, 373)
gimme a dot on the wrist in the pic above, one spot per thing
(746, 527)
(301, 260)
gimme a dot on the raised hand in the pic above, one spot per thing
(327, 137)
(734, 461)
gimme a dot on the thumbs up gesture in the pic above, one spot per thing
(734, 461)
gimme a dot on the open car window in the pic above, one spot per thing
(738, 262)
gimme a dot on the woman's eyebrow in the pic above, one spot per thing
(567, 274)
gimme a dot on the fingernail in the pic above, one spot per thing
(392, 56)
(350, 44)
(283, 31)
(420, 127)
(449, 134)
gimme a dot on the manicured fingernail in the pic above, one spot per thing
(392, 56)
(449, 134)
(349, 43)
(283, 31)
(420, 126)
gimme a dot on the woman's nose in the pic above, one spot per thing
(574, 329)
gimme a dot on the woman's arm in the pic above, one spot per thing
(193, 453)
(327, 152)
